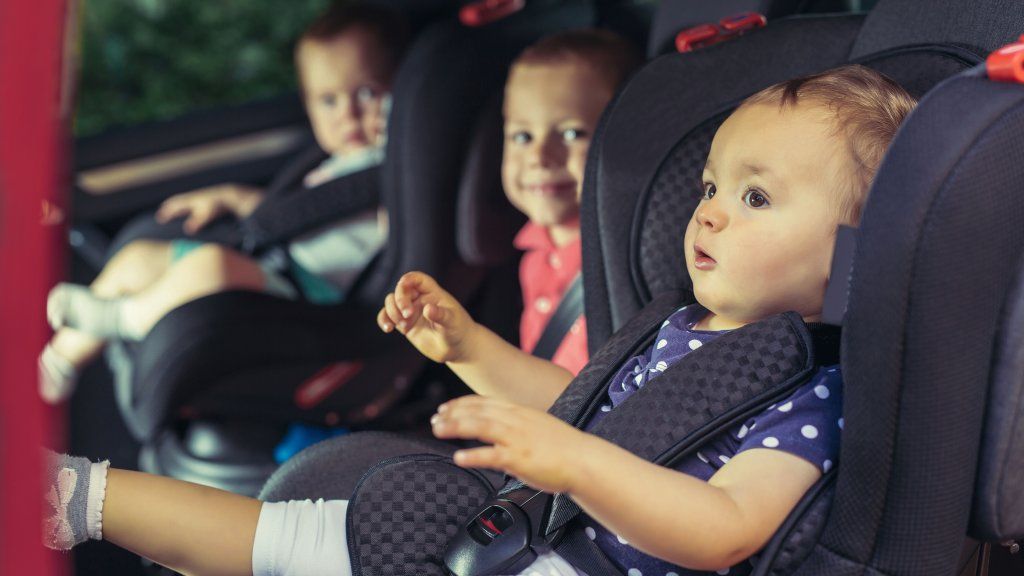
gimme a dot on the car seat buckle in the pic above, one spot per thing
(505, 537)
(1011, 545)
(487, 11)
(729, 27)
(1007, 63)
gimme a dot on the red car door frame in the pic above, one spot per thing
(34, 111)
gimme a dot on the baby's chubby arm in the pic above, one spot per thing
(443, 331)
(190, 528)
(701, 525)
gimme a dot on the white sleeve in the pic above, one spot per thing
(301, 538)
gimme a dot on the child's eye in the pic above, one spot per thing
(520, 138)
(573, 134)
(755, 198)
(328, 99)
(366, 94)
(709, 190)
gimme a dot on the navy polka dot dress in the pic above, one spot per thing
(806, 424)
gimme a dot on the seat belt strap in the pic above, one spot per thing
(568, 311)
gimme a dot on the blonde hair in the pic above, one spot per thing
(610, 54)
(868, 108)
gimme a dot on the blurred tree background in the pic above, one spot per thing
(146, 60)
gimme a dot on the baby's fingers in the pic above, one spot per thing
(393, 315)
(438, 315)
(471, 427)
(384, 322)
(493, 457)
(406, 295)
(171, 209)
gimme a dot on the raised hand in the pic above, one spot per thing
(430, 317)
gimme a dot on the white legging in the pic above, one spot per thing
(306, 538)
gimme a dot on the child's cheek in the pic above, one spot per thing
(508, 174)
(577, 166)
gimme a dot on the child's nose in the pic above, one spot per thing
(348, 108)
(710, 214)
(548, 152)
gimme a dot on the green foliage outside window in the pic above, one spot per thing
(146, 60)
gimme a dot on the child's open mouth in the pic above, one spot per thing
(702, 260)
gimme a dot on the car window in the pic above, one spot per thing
(145, 60)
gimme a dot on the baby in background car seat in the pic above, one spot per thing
(785, 169)
(345, 62)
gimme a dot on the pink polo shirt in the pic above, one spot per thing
(545, 273)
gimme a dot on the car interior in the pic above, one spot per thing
(931, 473)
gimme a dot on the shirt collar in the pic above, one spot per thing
(535, 237)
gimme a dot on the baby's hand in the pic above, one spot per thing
(202, 206)
(431, 318)
(527, 443)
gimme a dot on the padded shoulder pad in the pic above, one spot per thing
(406, 510)
(999, 493)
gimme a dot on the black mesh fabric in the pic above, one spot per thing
(406, 510)
(670, 200)
(797, 538)
(998, 512)
(332, 468)
(984, 24)
(919, 69)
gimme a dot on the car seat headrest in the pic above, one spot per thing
(672, 17)
(982, 24)
(670, 201)
(486, 222)
(998, 512)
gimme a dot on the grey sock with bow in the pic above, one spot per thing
(74, 490)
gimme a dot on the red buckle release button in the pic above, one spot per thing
(697, 37)
(1007, 63)
(743, 22)
(487, 11)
